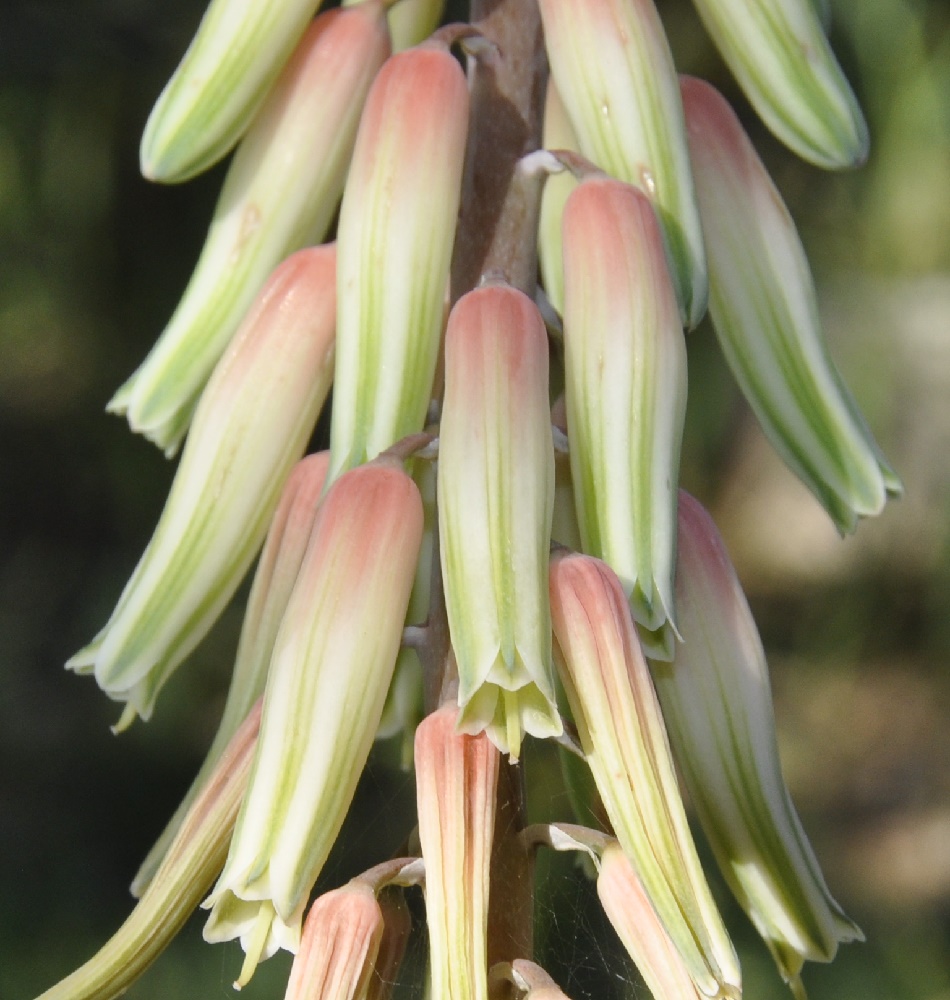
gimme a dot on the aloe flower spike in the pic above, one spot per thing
(765, 312)
(220, 83)
(280, 194)
(255, 418)
(718, 706)
(781, 57)
(332, 663)
(273, 581)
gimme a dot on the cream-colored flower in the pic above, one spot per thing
(496, 495)
(254, 420)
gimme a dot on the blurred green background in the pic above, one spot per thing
(92, 260)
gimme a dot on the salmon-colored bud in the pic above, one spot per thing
(625, 375)
(193, 860)
(338, 947)
(643, 934)
(623, 736)
(280, 194)
(718, 706)
(780, 55)
(254, 420)
(220, 83)
(612, 67)
(397, 928)
(456, 781)
(765, 311)
(397, 227)
(496, 495)
(274, 579)
(330, 670)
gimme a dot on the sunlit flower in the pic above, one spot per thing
(625, 375)
(764, 309)
(280, 194)
(781, 57)
(621, 731)
(220, 83)
(456, 778)
(718, 706)
(611, 63)
(496, 493)
(274, 579)
(254, 420)
(397, 226)
(330, 670)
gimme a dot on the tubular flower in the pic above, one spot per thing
(254, 420)
(765, 312)
(625, 374)
(411, 21)
(643, 934)
(496, 495)
(338, 947)
(397, 927)
(397, 225)
(332, 662)
(280, 194)
(612, 66)
(558, 134)
(784, 64)
(717, 703)
(622, 733)
(456, 780)
(194, 858)
(220, 83)
(274, 579)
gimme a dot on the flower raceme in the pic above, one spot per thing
(718, 707)
(625, 376)
(395, 236)
(783, 62)
(496, 497)
(765, 312)
(624, 739)
(456, 779)
(274, 578)
(253, 423)
(220, 83)
(612, 67)
(280, 194)
(331, 666)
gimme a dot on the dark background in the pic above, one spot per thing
(92, 260)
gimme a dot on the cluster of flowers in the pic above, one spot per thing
(449, 473)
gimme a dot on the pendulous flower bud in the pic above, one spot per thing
(764, 309)
(222, 80)
(280, 194)
(456, 781)
(625, 385)
(781, 57)
(624, 739)
(397, 227)
(252, 424)
(718, 707)
(611, 63)
(330, 670)
(496, 495)
(274, 579)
